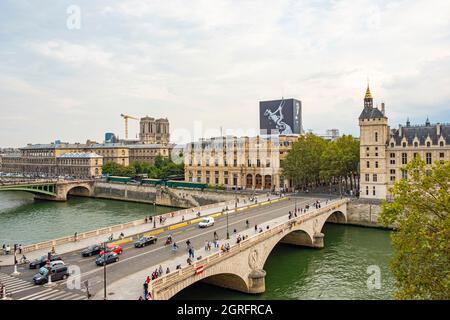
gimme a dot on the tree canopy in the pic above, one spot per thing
(420, 213)
(313, 160)
(163, 168)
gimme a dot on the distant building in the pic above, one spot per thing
(154, 131)
(251, 163)
(385, 151)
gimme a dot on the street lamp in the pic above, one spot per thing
(104, 270)
(228, 233)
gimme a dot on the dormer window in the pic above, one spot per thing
(441, 143)
(392, 144)
(416, 144)
(404, 144)
(428, 144)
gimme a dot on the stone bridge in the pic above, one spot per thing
(242, 267)
(54, 190)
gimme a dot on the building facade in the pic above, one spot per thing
(384, 151)
(79, 165)
(154, 131)
(251, 163)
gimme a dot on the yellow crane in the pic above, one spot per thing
(126, 117)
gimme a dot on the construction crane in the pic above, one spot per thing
(126, 117)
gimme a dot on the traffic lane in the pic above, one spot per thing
(191, 231)
(144, 260)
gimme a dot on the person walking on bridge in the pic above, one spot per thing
(216, 236)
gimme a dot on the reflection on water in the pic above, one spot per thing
(23, 220)
(338, 271)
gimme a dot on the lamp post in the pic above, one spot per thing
(228, 233)
(104, 271)
(15, 261)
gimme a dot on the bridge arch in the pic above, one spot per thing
(79, 190)
(333, 217)
(225, 280)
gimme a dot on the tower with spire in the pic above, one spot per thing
(374, 134)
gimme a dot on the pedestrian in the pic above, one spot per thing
(20, 248)
(167, 270)
(160, 271)
(4, 249)
(182, 218)
(150, 218)
(75, 237)
(216, 236)
(189, 261)
(8, 249)
(256, 227)
(247, 223)
(145, 220)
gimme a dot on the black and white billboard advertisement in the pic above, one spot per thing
(280, 116)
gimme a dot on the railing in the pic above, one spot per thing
(187, 271)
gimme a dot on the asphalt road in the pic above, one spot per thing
(133, 260)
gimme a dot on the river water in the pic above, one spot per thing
(25, 221)
(338, 271)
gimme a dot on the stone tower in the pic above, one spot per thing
(154, 131)
(374, 134)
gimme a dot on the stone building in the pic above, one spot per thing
(154, 131)
(251, 163)
(79, 165)
(384, 151)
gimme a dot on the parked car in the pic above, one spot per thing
(42, 261)
(111, 247)
(145, 241)
(58, 272)
(91, 250)
(206, 222)
(57, 263)
(107, 258)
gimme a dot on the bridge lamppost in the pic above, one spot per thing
(104, 270)
(228, 232)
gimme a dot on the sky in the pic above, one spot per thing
(68, 69)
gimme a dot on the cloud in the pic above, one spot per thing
(212, 61)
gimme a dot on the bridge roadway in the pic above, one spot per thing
(133, 260)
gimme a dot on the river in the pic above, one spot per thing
(338, 271)
(25, 221)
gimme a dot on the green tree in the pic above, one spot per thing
(302, 164)
(420, 215)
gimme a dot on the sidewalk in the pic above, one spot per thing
(6, 260)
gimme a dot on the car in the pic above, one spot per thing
(42, 261)
(58, 272)
(145, 241)
(206, 222)
(107, 258)
(111, 247)
(91, 250)
(57, 263)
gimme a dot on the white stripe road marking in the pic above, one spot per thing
(12, 289)
(80, 298)
(13, 281)
(54, 294)
(73, 296)
(66, 294)
(35, 294)
(196, 236)
(47, 294)
(25, 289)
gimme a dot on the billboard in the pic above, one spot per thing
(280, 116)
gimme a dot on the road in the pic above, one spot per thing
(133, 260)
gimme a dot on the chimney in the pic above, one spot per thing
(438, 129)
(382, 108)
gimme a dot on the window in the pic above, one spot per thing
(392, 155)
(392, 145)
(376, 164)
(392, 171)
(441, 155)
(375, 178)
(404, 144)
(404, 158)
(428, 157)
(441, 143)
(373, 190)
(367, 177)
(416, 144)
(428, 144)
(376, 136)
(376, 154)
(392, 178)
(415, 154)
(367, 190)
(368, 164)
(404, 174)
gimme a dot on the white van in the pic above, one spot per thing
(206, 222)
